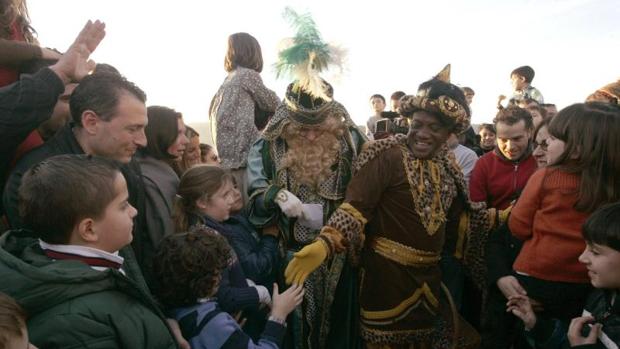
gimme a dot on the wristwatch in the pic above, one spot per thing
(277, 320)
(282, 197)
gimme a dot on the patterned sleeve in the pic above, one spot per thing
(265, 99)
(477, 222)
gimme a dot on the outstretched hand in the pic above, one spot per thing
(285, 302)
(305, 262)
(74, 64)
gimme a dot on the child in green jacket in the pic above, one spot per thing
(77, 280)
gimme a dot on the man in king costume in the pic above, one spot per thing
(298, 174)
(405, 204)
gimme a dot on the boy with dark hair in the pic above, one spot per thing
(521, 79)
(72, 281)
(469, 94)
(395, 100)
(189, 268)
(599, 325)
(377, 102)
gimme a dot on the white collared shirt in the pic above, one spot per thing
(85, 252)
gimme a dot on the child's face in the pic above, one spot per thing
(115, 226)
(394, 104)
(555, 149)
(603, 265)
(518, 82)
(219, 204)
(237, 200)
(378, 105)
(487, 138)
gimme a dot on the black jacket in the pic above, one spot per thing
(24, 105)
(64, 142)
(502, 250)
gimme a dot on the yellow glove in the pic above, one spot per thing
(305, 262)
(504, 214)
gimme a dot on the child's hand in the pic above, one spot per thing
(510, 286)
(238, 316)
(574, 335)
(284, 303)
(178, 336)
(521, 307)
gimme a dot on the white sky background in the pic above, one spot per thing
(174, 50)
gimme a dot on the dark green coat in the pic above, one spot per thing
(71, 305)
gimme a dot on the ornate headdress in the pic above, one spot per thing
(308, 99)
(442, 105)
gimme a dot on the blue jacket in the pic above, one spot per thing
(258, 255)
(205, 326)
(234, 294)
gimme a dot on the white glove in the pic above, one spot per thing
(250, 282)
(289, 204)
(263, 295)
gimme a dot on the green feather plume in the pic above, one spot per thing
(306, 55)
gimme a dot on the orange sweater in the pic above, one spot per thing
(545, 219)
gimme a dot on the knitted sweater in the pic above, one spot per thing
(497, 180)
(545, 218)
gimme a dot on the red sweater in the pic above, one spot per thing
(497, 180)
(545, 219)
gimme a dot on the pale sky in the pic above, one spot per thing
(175, 50)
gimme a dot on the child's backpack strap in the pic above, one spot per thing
(189, 326)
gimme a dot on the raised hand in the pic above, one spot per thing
(74, 64)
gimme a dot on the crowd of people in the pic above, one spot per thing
(297, 228)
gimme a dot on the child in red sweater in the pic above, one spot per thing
(584, 159)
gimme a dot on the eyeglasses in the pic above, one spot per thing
(543, 145)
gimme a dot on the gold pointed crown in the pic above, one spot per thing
(442, 105)
(444, 74)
